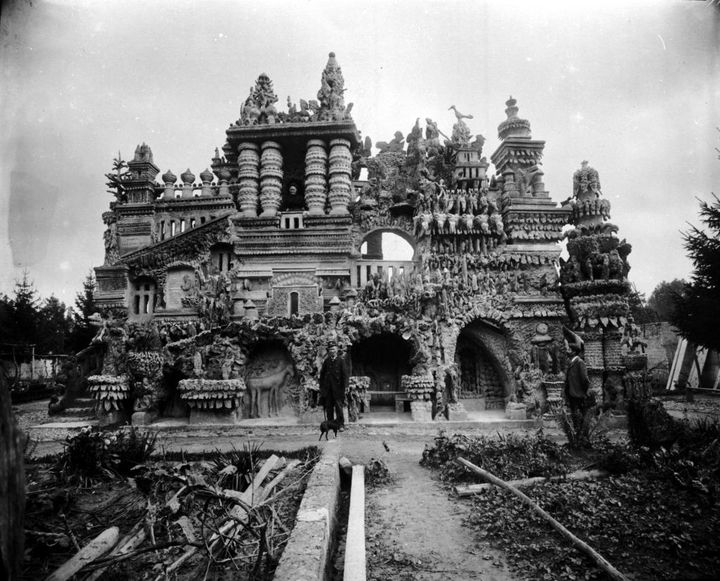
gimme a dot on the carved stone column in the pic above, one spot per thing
(316, 177)
(271, 175)
(248, 179)
(340, 176)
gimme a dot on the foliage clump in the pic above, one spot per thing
(508, 456)
(93, 453)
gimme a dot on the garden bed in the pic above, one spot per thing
(656, 515)
(224, 515)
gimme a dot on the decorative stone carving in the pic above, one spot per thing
(259, 107)
(271, 176)
(188, 179)
(316, 177)
(340, 179)
(330, 95)
(169, 179)
(248, 178)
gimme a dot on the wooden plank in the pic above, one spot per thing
(470, 489)
(96, 548)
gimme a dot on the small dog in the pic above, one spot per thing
(326, 426)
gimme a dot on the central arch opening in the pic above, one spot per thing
(269, 378)
(384, 358)
(384, 254)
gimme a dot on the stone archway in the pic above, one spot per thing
(269, 377)
(384, 358)
(483, 365)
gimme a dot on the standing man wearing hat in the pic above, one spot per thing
(577, 384)
(333, 384)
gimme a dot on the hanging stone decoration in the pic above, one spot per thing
(271, 176)
(248, 178)
(316, 177)
(340, 176)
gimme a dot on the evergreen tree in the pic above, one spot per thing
(54, 326)
(697, 313)
(83, 331)
(24, 312)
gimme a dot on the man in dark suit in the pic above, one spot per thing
(577, 384)
(333, 383)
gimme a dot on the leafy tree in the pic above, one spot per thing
(697, 315)
(664, 298)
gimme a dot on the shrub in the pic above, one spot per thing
(93, 453)
(508, 456)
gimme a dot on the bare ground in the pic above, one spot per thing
(414, 530)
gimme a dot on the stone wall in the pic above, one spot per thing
(661, 341)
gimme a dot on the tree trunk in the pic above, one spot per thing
(12, 488)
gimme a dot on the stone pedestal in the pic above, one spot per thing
(143, 418)
(112, 418)
(457, 412)
(421, 411)
(515, 411)
(200, 416)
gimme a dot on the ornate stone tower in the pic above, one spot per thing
(594, 282)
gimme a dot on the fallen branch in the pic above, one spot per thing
(470, 489)
(94, 549)
(581, 545)
(238, 514)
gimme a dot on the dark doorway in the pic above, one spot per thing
(480, 376)
(384, 359)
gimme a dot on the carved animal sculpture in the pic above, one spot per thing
(482, 223)
(467, 222)
(452, 221)
(497, 224)
(440, 220)
(270, 383)
(422, 223)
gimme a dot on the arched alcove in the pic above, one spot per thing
(384, 358)
(478, 356)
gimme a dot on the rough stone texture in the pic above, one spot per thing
(661, 343)
(213, 417)
(421, 411)
(307, 554)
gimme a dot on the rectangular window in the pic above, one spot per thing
(172, 228)
(162, 230)
(294, 302)
(182, 225)
(192, 222)
(137, 305)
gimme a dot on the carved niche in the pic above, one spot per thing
(294, 293)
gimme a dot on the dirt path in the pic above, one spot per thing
(414, 532)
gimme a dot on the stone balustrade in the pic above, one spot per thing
(364, 270)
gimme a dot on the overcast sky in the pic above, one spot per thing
(633, 87)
